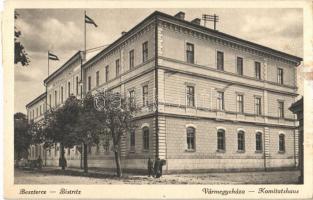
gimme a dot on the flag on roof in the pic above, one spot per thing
(88, 20)
(51, 56)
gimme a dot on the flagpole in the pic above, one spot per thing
(48, 62)
(85, 33)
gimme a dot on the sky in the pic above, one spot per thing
(61, 32)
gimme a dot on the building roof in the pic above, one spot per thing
(297, 106)
(213, 33)
(40, 97)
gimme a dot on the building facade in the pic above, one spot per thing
(209, 101)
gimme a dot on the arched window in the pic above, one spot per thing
(221, 139)
(191, 138)
(145, 133)
(258, 141)
(281, 142)
(241, 140)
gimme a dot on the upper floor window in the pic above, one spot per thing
(97, 78)
(145, 51)
(145, 95)
(77, 83)
(257, 67)
(50, 100)
(280, 109)
(55, 98)
(258, 141)
(40, 111)
(220, 100)
(191, 138)
(241, 141)
(107, 73)
(240, 104)
(36, 112)
(89, 83)
(132, 97)
(61, 94)
(220, 60)
(280, 76)
(258, 106)
(145, 133)
(221, 139)
(190, 96)
(239, 66)
(69, 89)
(117, 65)
(190, 51)
(281, 142)
(131, 59)
(132, 139)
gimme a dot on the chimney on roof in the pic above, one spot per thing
(124, 32)
(180, 15)
(196, 21)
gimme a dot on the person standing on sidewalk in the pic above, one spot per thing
(150, 167)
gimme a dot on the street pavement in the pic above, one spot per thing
(49, 175)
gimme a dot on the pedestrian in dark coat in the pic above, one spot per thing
(157, 171)
(150, 167)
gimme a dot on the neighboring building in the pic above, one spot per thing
(209, 101)
(297, 108)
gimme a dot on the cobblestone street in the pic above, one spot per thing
(75, 176)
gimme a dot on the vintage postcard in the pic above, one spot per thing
(158, 100)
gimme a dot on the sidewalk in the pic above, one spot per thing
(53, 175)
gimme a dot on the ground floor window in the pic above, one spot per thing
(145, 132)
(258, 141)
(132, 139)
(281, 142)
(191, 138)
(221, 140)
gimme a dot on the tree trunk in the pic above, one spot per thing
(118, 163)
(85, 159)
(62, 156)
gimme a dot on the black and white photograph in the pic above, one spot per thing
(159, 96)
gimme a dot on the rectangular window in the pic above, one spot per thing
(36, 112)
(281, 143)
(89, 83)
(61, 94)
(132, 97)
(221, 140)
(144, 51)
(69, 89)
(190, 138)
(220, 100)
(190, 53)
(131, 59)
(132, 139)
(280, 109)
(107, 73)
(257, 66)
(239, 66)
(258, 141)
(117, 65)
(240, 104)
(40, 111)
(258, 106)
(97, 78)
(280, 76)
(191, 96)
(241, 141)
(145, 95)
(55, 98)
(145, 132)
(220, 60)
(77, 83)
(50, 100)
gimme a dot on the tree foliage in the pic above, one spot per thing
(22, 137)
(20, 54)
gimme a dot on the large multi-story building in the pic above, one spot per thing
(209, 100)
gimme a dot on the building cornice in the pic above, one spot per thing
(37, 99)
